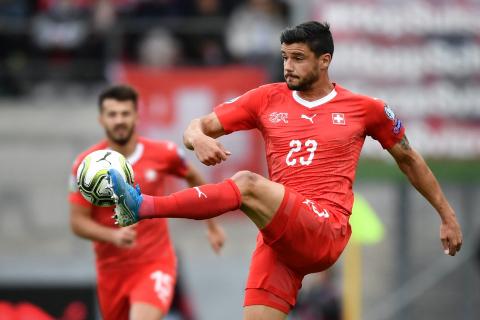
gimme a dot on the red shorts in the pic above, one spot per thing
(303, 237)
(151, 283)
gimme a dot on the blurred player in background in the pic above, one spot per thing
(136, 266)
(314, 131)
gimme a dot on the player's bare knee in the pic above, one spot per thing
(246, 182)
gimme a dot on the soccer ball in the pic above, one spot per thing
(92, 176)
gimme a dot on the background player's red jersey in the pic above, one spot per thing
(151, 162)
(313, 146)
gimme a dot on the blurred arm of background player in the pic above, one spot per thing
(421, 177)
(216, 235)
(84, 226)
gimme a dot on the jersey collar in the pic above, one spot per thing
(315, 103)
(136, 154)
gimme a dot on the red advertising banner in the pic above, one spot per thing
(171, 98)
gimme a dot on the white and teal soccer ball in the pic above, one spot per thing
(92, 176)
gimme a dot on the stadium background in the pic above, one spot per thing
(423, 57)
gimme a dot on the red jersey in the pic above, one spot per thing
(313, 146)
(151, 162)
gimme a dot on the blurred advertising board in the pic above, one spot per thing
(48, 302)
(421, 57)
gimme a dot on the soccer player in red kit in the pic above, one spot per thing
(314, 130)
(136, 266)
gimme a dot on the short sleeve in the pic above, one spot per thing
(74, 195)
(383, 125)
(176, 161)
(241, 113)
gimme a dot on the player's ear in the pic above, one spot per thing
(324, 60)
(100, 118)
(135, 113)
(100, 115)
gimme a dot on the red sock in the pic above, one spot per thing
(202, 202)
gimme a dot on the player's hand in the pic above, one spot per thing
(124, 237)
(451, 236)
(209, 151)
(216, 237)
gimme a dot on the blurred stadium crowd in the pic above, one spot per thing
(78, 40)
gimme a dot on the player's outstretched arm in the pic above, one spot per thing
(421, 177)
(201, 135)
(216, 235)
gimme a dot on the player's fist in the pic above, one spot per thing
(451, 236)
(216, 237)
(124, 237)
(209, 151)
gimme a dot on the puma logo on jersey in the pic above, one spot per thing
(200, 193)
(312, 205)
(276, 117)
(308, 118)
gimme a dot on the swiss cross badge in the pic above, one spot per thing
(338, 118)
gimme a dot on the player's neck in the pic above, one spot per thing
(318, 90)
(126, 149)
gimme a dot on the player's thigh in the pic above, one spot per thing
(112, 291)
(154, 288)
(261, 197)
(262, 313)
(145, 311)
(313, 237)
(271, 282)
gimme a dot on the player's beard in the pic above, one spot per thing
(120, 139)
(304, 83)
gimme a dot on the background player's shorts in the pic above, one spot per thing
(152, 283)
(303, 237)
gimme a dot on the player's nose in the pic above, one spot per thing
(120, 120)
(287, 66)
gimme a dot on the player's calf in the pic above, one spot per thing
(145, 311)
(202, 202)
(261, 312)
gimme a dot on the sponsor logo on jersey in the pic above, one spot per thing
(276, 117)
(338, 118)
(389, 112)
(303, 116)
(397, 126)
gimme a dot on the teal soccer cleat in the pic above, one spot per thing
(127, 198)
